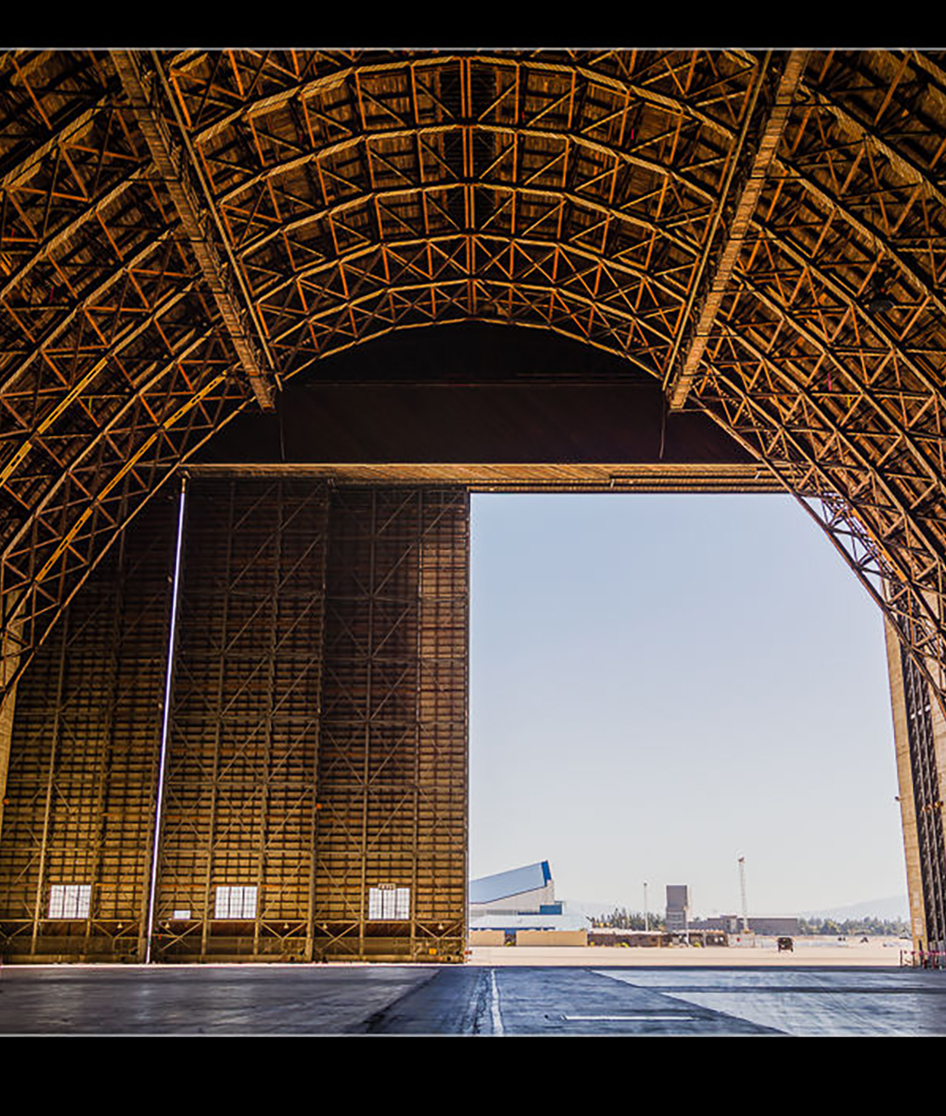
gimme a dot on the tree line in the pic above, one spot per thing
(890, 927)
(622, 919)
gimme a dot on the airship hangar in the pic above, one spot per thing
(269, 317)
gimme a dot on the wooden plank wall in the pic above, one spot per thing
(243, 743)
(393, 771)
(83, 764)
(317, 743)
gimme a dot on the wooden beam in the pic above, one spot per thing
(713, 281)
(908, 806)
(174, 158)
(860, 130)
(11, 638)
(71, 131)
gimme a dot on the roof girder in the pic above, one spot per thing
(712, 283)
(184, 183)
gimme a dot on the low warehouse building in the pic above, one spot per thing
(775, 925)
(551, 937)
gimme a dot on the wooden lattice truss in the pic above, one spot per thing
(183, 233)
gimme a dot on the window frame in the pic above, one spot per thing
(64, 898)
(389, 903)
(227, 899)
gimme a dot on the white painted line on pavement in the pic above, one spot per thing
(497, 1017)
(648, 1016)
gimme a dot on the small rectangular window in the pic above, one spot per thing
(390, 904)
(235, 902)
(70, 900)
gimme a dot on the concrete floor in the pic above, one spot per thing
(198, 999)
(470, 1000)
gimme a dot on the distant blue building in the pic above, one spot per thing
(520, 891)
(520, 899)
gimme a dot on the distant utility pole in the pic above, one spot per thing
(646, 919)
(742, 888)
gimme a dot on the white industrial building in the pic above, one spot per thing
(520, 899)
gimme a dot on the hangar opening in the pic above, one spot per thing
(660, 684)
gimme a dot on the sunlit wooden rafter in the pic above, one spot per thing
(748, 166)
(184, 182)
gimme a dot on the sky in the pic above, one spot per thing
(661, 684)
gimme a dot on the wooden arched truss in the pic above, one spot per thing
(183, 233)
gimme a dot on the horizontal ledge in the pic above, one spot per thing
(538, 476)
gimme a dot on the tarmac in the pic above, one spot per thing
(578, 1002)
(819, 951)
(480, 998)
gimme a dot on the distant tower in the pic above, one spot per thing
(678, 905)
(742, 888)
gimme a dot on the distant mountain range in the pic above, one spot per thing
(897, 906)
(589, 907)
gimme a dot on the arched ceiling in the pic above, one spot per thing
(181, 234)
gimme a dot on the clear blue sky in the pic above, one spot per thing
(660, 684)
